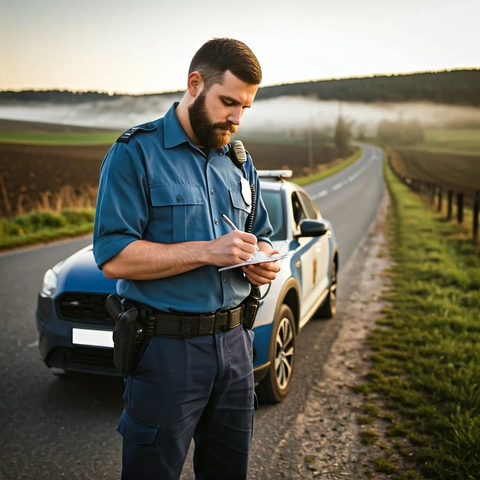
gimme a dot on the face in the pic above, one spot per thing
(216, 114)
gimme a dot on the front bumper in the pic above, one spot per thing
(57, 349)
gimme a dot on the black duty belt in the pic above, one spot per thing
(186, 325)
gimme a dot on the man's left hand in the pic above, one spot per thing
(262, 273)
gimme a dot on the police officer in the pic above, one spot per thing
(164, 187)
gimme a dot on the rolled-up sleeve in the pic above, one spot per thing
(122, 204)
(261, 227)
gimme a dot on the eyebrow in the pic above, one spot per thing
(234, 102)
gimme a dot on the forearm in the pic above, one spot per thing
(142, 260)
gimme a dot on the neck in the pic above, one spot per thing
(182, 114)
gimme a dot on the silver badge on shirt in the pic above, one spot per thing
(246, 193)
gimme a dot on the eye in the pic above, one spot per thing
(227, 103)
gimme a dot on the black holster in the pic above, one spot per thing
(250, 307)
(127, 336)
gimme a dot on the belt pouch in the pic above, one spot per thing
(126, 335)
(251, 307)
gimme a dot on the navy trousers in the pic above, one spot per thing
(200, 388)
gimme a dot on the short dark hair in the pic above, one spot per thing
(217, 56)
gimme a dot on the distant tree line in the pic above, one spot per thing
(457, 87)
(400, 132)
(56, 96)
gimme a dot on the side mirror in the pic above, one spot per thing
(312, 228)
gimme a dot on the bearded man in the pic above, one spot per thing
(164, 187)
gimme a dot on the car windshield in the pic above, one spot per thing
(274, 204)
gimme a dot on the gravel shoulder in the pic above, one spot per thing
(325, 442)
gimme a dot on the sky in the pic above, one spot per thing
(144, 46)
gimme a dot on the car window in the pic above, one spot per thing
(273, 203)
(298, 212)
(310, 207)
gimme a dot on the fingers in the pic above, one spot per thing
(261, 273)
(246, 243)
(247, 237)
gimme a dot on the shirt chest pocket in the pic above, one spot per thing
(177, 213)
(240, 208)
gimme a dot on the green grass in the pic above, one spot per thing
(467, 141)
(426, 355)
(57, 138)
(316, 177)
(38, 227)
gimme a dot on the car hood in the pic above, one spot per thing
(79, 273)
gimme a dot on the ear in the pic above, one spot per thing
(195, 84)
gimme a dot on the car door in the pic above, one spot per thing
(306, 254)
(321, 248)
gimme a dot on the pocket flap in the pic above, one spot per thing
(164, 195)
(136, 431)
(238, 201)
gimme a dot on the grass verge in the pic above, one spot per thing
(39, 227)
(316, 177)
(426, 360)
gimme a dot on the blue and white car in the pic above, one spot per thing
(76, 331)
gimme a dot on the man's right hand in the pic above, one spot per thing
(232, 248)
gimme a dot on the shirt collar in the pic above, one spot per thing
(174, 134)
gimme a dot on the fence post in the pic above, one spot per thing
(476, 208)
(460, 207)
(439, 207)
(450, 205)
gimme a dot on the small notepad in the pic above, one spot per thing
(258, 259)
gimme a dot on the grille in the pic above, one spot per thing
(84, 308)
(96, 357)
(83, 359)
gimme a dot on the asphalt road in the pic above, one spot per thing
(65, 428)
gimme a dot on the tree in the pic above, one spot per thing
(342, 136)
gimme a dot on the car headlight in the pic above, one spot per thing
(49, 283)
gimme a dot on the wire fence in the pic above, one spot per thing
(438, 194)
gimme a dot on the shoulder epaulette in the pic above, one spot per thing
(125, 137)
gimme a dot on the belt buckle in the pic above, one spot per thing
(206, 324)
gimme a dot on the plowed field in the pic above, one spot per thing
(452, 171)
(29, 170)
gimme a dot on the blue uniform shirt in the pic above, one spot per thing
(162, 188)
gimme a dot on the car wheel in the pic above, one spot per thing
(274, 387)
(329, 307)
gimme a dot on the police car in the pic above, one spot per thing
(76, 331)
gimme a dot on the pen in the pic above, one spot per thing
(229, 222)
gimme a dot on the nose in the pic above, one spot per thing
(235, 116)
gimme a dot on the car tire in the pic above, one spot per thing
(329, 306)
(275, 385)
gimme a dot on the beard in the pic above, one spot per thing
(207, 132)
